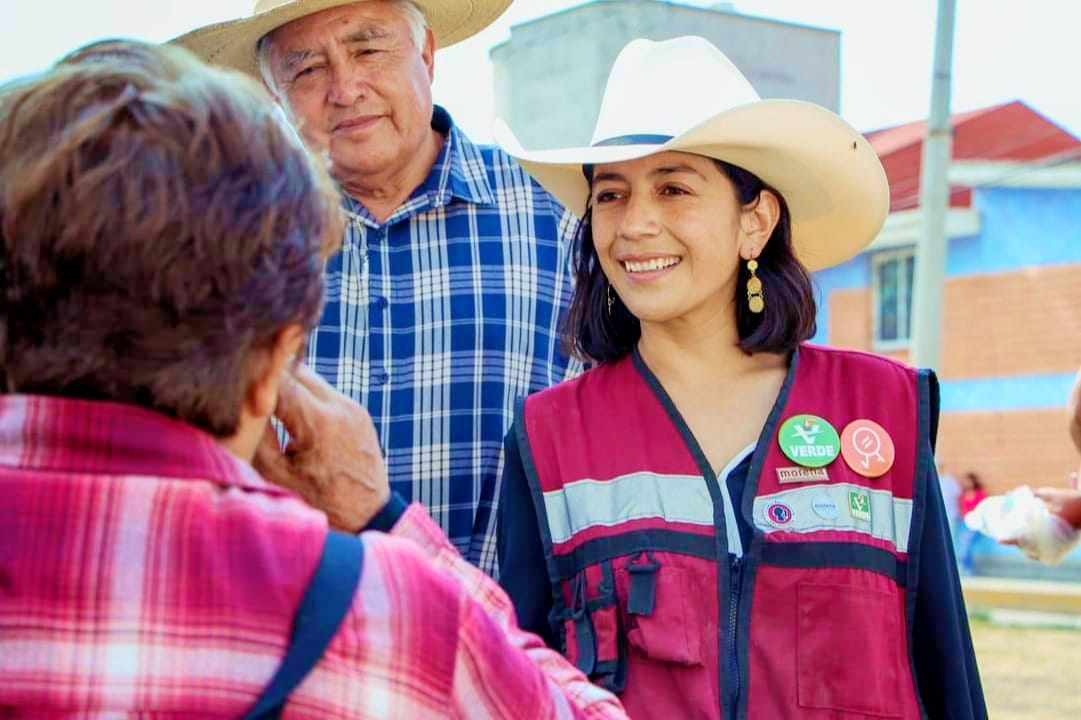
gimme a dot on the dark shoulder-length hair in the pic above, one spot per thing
(595, 335)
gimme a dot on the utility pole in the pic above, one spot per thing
(934, 201)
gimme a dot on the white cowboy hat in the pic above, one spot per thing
(684, 94)
(233, 43)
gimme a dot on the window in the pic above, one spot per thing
(891, 293)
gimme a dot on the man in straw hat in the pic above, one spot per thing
(719, 520)
(443, 305)
(161, 234)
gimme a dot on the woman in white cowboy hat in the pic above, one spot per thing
(720, 520)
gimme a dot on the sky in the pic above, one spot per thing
(1003, 49)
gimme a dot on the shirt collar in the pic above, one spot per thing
(461, 165)
(105, 438)
(459, 173)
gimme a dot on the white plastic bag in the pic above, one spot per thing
(1022, 517)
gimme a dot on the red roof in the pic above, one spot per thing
(1009, 132)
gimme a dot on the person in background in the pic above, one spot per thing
(162, 236)
(972, 494)
(951, 498)
(443, 306)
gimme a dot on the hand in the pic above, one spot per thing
(333, 459)
(1064, 503)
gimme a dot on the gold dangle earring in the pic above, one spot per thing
(611, 300)
(755, 300)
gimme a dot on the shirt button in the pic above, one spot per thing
(380, 302)
(380, 377)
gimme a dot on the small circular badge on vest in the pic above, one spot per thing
(808, 440)
(779, 514)
(867, 448)
(825, 507)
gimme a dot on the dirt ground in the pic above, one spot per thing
(1029, 673)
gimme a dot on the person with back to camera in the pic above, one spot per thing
(720, 520)
(162, 235)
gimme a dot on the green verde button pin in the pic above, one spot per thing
(810, 441)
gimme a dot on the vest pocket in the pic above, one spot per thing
(592, 635)
(850, 650)
(579, 637)
(663, 622)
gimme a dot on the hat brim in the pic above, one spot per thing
(830, 177)
(233, 43)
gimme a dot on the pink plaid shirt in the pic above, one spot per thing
(146, 572)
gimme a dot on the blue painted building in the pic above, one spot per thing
(1011, 328)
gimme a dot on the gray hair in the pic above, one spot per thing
(418, 28)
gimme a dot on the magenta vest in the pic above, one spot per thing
(812, 621)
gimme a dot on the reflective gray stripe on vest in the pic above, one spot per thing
(813, 508)
(585, 504)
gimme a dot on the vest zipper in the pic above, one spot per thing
(736, 577)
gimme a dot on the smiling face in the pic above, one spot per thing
(669, 231)
(357, 86)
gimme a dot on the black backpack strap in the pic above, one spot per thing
(325, 603)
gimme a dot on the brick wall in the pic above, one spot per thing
(850, 318)
(1007, 449)
(1026, 322)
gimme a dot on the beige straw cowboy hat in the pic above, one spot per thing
(233, 43)
(684, 94)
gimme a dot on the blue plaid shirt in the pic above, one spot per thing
(440, 318)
